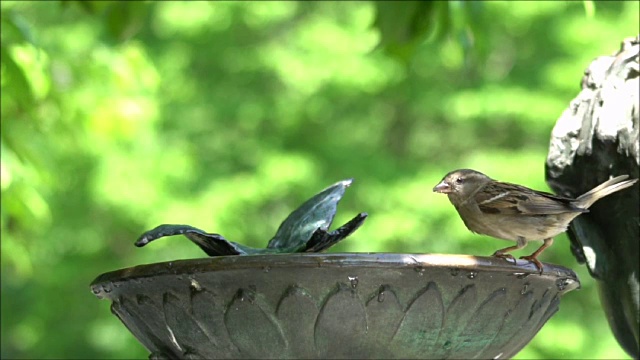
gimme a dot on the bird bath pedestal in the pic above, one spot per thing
(348, 305)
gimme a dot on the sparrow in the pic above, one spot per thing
(514, 212)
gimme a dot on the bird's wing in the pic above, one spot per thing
(512, 199)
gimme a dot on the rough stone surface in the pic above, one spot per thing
(597, 138)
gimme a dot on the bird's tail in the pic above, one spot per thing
(606, 188)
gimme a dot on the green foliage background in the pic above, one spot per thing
(119, 116)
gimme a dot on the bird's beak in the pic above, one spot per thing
(442, 188)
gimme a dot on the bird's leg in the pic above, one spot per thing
(503, 253)
(534, 257)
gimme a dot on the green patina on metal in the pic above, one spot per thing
(305, 230)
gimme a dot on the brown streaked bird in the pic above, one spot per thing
(513, 212)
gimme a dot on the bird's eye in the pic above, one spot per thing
(459, 180)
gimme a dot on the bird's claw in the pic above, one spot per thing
(505, 256)
(535, 261)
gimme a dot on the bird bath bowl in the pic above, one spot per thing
(341, 305)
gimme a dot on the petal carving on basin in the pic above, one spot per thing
(140, 330)
(146, 309)
(458, 314)
(208, 311)
(514, 318)
(187, 332)
(422, 322)
(384, 314)
(264, 338)
(297, 312)
(341, 324)
(537, 317)
(483, 326)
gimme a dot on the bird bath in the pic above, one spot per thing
(341, 305)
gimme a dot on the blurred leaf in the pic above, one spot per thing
(404, 24)
(16, 80)
(124, 19)
(401, 22)
(91, 7)
(589, 8)
(15, 29)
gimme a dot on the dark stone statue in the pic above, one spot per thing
(594, 139)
